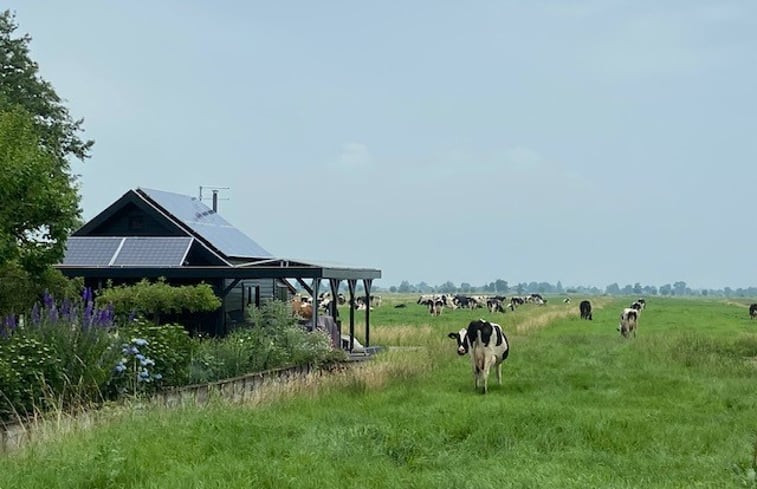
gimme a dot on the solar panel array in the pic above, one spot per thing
(95, 252)
(155, 252)
(86, 251)
(215, 229)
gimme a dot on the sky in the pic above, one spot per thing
(588, 142)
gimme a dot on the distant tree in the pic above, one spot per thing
(679, 288)
(627, 290)
(393, 289)
(558, 287)
(447, 288)
(37, 135)
(637, 289)
(613, 289)
(465, 287)
(649, 290)
(424, 288)
(666, 289)
(520, 288)
(501, 286)
(404, 287)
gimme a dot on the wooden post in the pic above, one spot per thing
(316, 286)
(367, 286)
(351, 286)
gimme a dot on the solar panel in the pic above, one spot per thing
(88, 251)
(208, 224)
(153, 252)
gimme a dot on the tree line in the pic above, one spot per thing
(499, 286)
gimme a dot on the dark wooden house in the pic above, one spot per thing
(151, 233)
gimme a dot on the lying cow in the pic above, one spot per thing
(628, 322)
(488, 347)
(585, 308)
(753, 311)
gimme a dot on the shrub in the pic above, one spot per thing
(168, 345)
(271, 338)
(155, 299)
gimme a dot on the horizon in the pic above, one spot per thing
(582, 142)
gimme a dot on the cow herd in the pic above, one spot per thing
(436, 303)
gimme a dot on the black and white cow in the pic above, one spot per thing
(628, 322)
(753, 311)
(643, 303)
(488, 347)
(495, 305)
(637, 305)
(585, 308)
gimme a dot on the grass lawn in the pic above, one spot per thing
(579, 407)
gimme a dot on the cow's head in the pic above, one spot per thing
(462, 341)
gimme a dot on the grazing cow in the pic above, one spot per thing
(488, 347)
(643, 303)
(585, 308)
(435, 307)
(566, 300)
(628, 322)
(515, 302)
(495, 305)
(637, 305)
(753, 311)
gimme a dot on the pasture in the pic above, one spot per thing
(579, 407)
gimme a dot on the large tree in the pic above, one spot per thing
(40, 200)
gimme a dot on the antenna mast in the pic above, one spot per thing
(215, 191)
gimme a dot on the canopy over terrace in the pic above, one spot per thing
(270, 268)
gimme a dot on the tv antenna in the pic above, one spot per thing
(215, 191)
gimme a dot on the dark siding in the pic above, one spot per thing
(133, 221)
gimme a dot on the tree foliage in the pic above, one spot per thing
(37, 135)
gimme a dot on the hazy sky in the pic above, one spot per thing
(589, 142)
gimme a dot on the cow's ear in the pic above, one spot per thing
(454, 336)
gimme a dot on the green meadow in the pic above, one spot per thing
(579, 407)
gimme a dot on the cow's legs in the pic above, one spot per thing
(499, 373)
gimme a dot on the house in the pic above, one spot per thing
(152, 233)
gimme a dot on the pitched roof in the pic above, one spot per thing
(206, 223)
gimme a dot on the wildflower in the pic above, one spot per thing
(65, 309)
(120, 368)
(139, 357)
(47, 300)
(53, 314)
(139, 341)
(36, 314)
(157, 376)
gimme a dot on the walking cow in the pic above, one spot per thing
(753, 311)
(585, 308)
(488, 347)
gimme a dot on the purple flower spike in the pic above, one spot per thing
(87, 295)
(65, 309)
(53, 314)
(47, 300)
(132, 316)
(36, 317)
